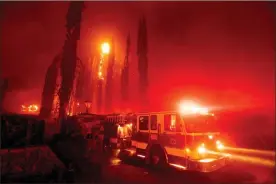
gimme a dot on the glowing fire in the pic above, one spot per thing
(105, 48)
(100, 70)
(30, 109)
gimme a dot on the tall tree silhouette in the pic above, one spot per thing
(3, 91)
(80, 89)
(69, 56)
(125, 73)
(99, 95)
(49, 88)
(142, 51)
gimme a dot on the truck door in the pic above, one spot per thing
(142, 136)
(172, 137)
(154, 128)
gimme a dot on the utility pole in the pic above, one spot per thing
(142, 51)
(69, 57)
(125, 74)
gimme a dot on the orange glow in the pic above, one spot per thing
(177, 166)
(207, 160)
(30, 109)
(115, 161)
(173, 120)
(254, 160)
(141, 156)
(105, 48)
(210, 136)
(23, 108)
(129, 125)
(69, 114)
(131, 151)
(248, 159)
(252, 151)
(189, 107)
(220, 146)
(100, 69)
(201, 149)
(117, 152)
(33, 108)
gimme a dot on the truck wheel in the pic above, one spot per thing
(157, 158)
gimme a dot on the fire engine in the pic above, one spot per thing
(188, 140)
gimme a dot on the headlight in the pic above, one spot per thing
(220, 146)
(201, 150)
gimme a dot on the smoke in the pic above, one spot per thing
(209, 48)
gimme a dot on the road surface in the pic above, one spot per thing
(115, 170)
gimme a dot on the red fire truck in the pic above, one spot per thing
(189, 139)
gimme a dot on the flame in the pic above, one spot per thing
(30, 109)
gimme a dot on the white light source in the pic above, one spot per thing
(189, 107)
(220, 146)
(201, 150)
(105, 48)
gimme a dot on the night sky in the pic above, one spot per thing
(221, 53)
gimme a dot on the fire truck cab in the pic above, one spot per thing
(186, 141)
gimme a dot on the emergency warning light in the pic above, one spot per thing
(189, 107)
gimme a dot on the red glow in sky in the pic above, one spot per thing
(220, 53)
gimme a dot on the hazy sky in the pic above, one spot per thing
(220, 53)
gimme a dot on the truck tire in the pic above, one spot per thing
(157, 158)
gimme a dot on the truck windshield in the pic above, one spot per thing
(200, 124)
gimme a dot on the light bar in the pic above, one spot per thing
(189, 107)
